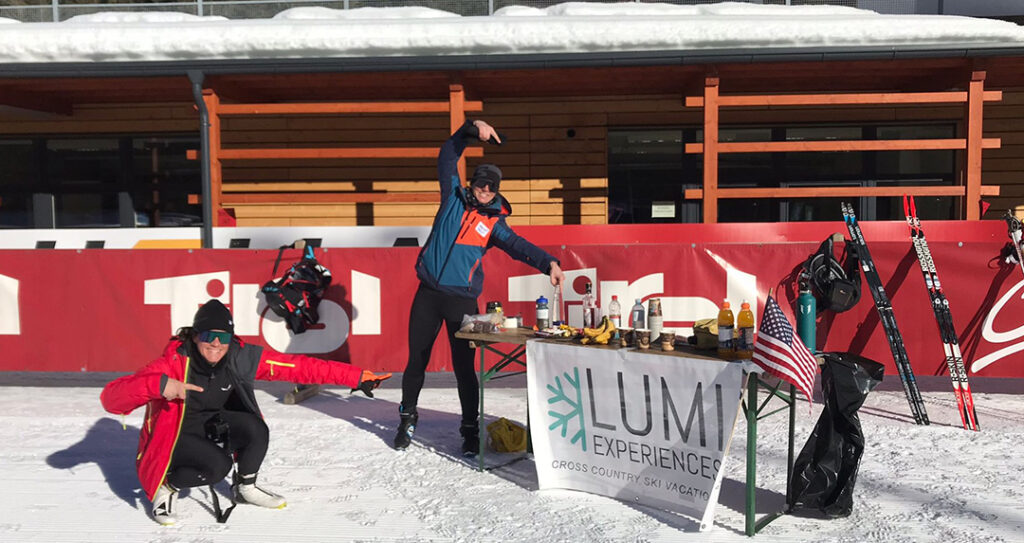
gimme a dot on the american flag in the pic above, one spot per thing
(780, 352)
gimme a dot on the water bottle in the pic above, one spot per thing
(806, 311)
(726, 324)
(637, 315)
(543, 314)
(654, 319)
(745, 324)
(589, 304)
(615, 311)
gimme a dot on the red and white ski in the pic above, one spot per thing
(943, 317)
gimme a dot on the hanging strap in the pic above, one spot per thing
(280, 253)
(222, 517)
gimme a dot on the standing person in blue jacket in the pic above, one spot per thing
(470, 221)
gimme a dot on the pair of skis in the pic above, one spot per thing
(943, 317)
(886, 316)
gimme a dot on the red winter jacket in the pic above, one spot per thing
(162, 425)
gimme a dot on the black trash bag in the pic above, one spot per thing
(826, 469)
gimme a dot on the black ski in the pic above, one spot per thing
(943, 317)
(886, 316)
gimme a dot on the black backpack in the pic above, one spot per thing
(297, 294)
(836, 286)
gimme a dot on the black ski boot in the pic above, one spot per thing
(470, 438)
(406, 428)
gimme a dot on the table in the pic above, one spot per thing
(486, 341)
(752, 409)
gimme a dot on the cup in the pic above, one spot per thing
(626, 337)
(668, 340)
(643, 338)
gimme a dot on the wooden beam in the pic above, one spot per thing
(326, 108)
(324, 198)
(456, 118)
(843, 99)
(710, 149)
(973, 112)
(331, 152)
(840, 192)
(36, 102)
(843, 145)
(216, 176)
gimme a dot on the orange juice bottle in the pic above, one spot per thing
(726, 324)
(745, 324)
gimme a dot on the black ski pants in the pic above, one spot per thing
(197, 461)
(430, 309)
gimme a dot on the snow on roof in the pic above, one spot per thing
(574, 27)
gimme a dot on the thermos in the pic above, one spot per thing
(806, 312)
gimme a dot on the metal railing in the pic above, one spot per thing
(34, 11)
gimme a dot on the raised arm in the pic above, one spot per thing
(452, 149)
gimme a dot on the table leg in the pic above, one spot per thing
(480, 419)
(751, 510)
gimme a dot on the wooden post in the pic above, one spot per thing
(710, 206)
(457, 114)
(974, 112)
(216, 178)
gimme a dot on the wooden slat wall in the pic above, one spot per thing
(1005, 166)
(550, 177)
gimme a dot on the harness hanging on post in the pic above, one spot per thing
(297, 294)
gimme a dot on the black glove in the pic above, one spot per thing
(369, 381)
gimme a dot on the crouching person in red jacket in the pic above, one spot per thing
(199, 396)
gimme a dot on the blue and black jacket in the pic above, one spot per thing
(462, 233)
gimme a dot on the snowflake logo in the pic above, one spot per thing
(560, 395)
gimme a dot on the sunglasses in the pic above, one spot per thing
(208, 336)
(483, 184)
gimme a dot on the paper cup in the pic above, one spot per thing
(643, 338)
(668, 340)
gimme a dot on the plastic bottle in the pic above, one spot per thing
(726, 324)
(745, 324)
(543, 314)
(637, 315)
(556, 308)
(615, 311)
(654, 319)
(807, 310)
(589, 304)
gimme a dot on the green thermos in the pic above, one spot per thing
(806, 312)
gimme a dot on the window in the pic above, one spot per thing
(98, 181)
(647, 169)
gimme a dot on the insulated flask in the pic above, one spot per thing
(806, 311)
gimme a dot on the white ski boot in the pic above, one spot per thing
(246, 491)
(165, 504)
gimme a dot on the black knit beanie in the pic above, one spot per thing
(487, 174)
(213, 316)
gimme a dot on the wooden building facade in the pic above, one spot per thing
(587, 142)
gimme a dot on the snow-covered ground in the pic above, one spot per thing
(67, 474)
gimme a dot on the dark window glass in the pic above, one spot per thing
(636, 179)
(102, 181)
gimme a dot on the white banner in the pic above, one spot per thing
(646, 428)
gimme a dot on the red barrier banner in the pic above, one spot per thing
(113, 310)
